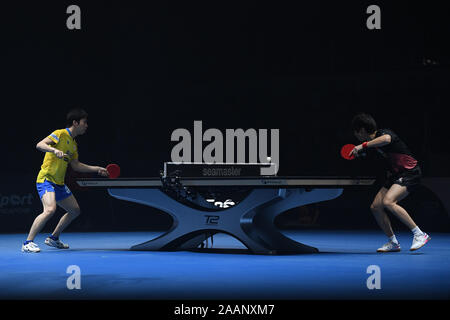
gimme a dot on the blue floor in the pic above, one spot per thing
(110, 271)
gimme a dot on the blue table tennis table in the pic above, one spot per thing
(250, 219)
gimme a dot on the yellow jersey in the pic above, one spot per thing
(54, 169)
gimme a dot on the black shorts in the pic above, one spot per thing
(408, 178)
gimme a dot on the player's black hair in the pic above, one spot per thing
(75, 114)
(364, 120)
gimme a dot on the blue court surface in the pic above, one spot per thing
(342, 269)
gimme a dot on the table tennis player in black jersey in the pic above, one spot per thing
(402, 176)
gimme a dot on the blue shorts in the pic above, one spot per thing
(61, 192)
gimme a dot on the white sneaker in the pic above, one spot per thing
(56, 243)
(30, 247)
(389, 247)
(419, 241)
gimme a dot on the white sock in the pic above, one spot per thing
(393, 239)
(417, 231)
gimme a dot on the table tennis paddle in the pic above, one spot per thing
(345, 151)
(113, 170)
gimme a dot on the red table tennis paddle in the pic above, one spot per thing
(113, 170)
(345, 151)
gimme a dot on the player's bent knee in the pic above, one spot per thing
(49, 211)
(388, 203)
(376, 207)
(75, 212)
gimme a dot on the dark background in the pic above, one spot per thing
(142, 70)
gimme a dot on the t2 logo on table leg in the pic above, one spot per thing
(212, 219)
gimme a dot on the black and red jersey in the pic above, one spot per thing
(397, 153)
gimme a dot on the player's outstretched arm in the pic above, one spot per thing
(81, 167)
(45, 145)
(377, 142)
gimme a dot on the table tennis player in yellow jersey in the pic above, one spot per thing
(60, 150)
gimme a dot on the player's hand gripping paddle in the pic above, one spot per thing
(346, 150)
(113, 170)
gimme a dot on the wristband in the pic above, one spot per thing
(364, 145)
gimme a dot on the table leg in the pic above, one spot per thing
(251, 221)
